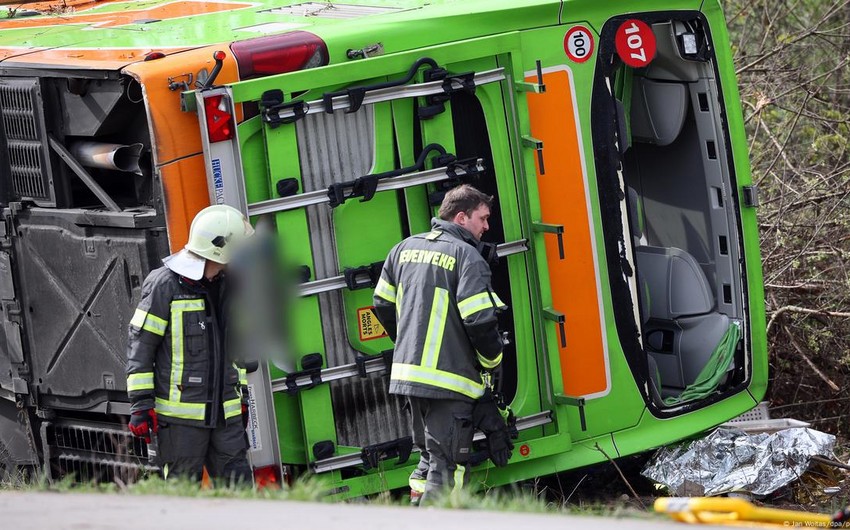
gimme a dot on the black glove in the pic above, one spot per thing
(500, 446)
(245, 416)
(487, 418)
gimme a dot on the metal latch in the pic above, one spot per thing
(311, 367)
(751, 196)
(538, 87)
(174, 84)
(558, 230)
(272, 104)
(372, 455)
(577, 402)
(363, 277)
(361, 360)
(533, 143)
(366, 51)
(452, 83)
(560, 319)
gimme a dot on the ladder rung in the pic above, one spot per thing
(334, 373)
(391, 183)
(338, 282)
(380, 95)
(512, 247)
(355, 459)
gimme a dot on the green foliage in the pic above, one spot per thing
(793, 63)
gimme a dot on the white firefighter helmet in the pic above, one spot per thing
(216, 232)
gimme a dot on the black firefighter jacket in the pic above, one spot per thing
(176, 359)
(435, 300)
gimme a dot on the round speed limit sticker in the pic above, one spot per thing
(578, 43)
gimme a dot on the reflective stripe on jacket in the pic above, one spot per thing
(435, 300)
(175, 358)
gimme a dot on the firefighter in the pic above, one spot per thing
(435, 300)
(184, 387)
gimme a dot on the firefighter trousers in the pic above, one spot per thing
(442, 431)
(184, 451)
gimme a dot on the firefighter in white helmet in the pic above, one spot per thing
(184, 387)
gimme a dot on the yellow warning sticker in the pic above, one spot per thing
(370, 328)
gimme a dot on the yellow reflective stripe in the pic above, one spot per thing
(417, 484)
(489, 364)
(140, 381)
(195, 304)
(232, 407)
(398, 301)
(138, 319)
(385, 290)
(149, 322)
(437, 378)
(497, 300)
(474, 304)
(178, 307)
(243, 376)
(436, 326)
(460, 472)
(186, 411)
(174, 392)
(155, 325)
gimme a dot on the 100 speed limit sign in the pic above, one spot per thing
(578, 43)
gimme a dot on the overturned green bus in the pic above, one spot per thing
(624, 238)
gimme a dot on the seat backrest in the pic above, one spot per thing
(659, 109)
(673, 283)
(636, 220)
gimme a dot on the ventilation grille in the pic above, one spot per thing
(331, 10)
(335, 148)
(85, 453)
(23, 119)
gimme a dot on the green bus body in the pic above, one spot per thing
(662, 219)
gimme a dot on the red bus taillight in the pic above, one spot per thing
(267, 477)
(219, 119)
(278, 54)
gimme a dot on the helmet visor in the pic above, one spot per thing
(186, 264)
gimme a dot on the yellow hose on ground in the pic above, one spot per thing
(735, 512)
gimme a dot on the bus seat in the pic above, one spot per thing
(659, 109)
(682, 327)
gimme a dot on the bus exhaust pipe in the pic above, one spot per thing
(108, 156)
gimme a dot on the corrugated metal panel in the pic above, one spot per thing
(335, 148)
(331, 10)
(23, 123)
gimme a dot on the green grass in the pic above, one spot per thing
(526, 499)
(301, 490)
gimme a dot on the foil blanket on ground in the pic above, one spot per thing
(730, 460)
